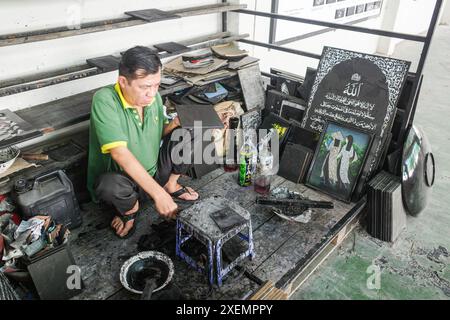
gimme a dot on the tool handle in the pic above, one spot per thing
(150, 286)
(34, 156)
(295, 202)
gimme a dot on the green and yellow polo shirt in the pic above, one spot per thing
(114, 122)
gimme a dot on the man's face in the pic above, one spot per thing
(142, 90)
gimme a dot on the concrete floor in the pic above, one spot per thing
(417, 266)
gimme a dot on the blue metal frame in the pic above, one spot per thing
(209, 269)
(214, 249)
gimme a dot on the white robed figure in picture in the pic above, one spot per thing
(329, 170)
(347, 155)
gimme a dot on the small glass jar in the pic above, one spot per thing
(262, 184)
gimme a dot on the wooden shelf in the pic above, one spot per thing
(40, 80)
(36, 81)
(106, 25)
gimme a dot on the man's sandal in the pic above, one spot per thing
(125, 219)
(180, 192)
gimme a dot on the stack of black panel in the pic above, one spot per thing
(386, 217)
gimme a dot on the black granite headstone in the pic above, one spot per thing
(360, 90)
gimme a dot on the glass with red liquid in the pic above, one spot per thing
(230, 167)
(262, 184)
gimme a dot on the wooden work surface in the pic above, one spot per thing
(279, 244)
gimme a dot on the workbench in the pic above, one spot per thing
(286, 252)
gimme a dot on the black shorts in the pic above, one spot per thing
(119, 191)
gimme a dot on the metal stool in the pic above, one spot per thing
(195, 222)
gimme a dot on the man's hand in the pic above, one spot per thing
(176, 121)
(165, 205)
(168, 128)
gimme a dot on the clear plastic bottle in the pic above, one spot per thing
(248, 157)
(264, 171)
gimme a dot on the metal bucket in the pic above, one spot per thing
(139, 267)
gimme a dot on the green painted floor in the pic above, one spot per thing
(417, 265)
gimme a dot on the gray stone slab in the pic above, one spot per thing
(198, 216)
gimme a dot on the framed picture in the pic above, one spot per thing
(339, 157)
(350, 11)
(370, 6)
(251, 119)
(291, 110)
(360, 8)
(318, 2)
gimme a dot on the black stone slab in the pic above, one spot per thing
(295, 162)
(189, 114)
(304, 90)
(171, 47)
(14, 129)
(105, 63)
(152, 15)
(252, 87)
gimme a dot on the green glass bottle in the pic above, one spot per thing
(247, 162)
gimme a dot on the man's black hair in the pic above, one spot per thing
(139, 62)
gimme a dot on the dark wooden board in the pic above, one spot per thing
(105, 63)
(152, 15)
(60, 113)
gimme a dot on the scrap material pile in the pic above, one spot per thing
(23, 240)
(206, 65)
(31, 236)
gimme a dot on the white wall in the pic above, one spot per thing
(389, 15)
(445, 13)
(411, 16)
(259, 29)
(28, 59)
(406, 16)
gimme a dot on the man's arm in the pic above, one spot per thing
(170, 126)
(126, 160)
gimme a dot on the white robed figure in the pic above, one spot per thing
(347, 155)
